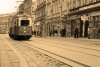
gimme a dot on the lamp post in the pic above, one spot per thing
(53, 29)
(61, 13)
(52, 16)
(37, 28)
(58, 26)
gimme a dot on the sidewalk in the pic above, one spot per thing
(80, 38)
(85, 39)
(7, 57)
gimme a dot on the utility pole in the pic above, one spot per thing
(61, 20)
(52, 17)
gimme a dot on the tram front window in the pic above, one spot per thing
(24, 22)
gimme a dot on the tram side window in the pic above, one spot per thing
(24, 22)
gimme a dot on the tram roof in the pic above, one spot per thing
(22, 15)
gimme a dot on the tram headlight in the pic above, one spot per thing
(24, 31)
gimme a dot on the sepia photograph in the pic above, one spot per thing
(49, 33)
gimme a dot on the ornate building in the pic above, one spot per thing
(49, 13)
(57, 11)
(40, 16)
(5, 19)
(21, 7)
(85, 14)
(3, 24)
(54, 15)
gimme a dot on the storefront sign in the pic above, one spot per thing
(84, 18)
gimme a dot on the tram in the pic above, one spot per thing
(21, 26)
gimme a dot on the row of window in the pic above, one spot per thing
(56, 7)
(40, 1)
(79, 3)
(40, 12)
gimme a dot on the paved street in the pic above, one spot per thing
(83, 50)
(66, 52)
(49, 33)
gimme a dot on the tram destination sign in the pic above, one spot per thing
(84, 18)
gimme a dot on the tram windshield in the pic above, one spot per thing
(24, 22)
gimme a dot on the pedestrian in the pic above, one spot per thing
(76, 33)
(34, 33)
(61, 33)
(50, 33)
(37, 33)
(40, 33)
(98, 32)
(56, 32)
(88, 33)
(53, 32)
(64, 32)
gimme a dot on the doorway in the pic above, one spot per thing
(85, 33)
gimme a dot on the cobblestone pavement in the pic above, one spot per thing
(14, 57)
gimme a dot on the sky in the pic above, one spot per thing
(8, 6)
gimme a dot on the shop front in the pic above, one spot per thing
(47, 27)
(56, 26)
(95, 26)
(76, 21)
(87, 19)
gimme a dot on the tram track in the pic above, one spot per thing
(68, 59)
(37, 41)
(74, 50)
(30, 47)
(79, 47)
(71, 45)
(79, 63)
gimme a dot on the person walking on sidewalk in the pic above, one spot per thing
(98, 32)
(88, 33)
(76, 33)
(64, 32)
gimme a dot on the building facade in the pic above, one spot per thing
(40, 17)
(85, 14)
(49, 14)
(55, 15)
(4, 23)
(21, 7)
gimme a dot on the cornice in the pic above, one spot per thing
(84, 6)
